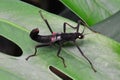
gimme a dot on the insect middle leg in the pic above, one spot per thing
(58, 55)
(42, 45)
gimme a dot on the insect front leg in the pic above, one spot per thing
(42, 45)
(77, 27)
(85, 57)
(86, 26)
(45, 20)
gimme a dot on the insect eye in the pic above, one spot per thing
(79, 36)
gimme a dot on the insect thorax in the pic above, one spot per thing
(55, 37)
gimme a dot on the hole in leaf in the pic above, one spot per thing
(59, 73)
(9, 47)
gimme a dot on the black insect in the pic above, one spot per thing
(58, 38)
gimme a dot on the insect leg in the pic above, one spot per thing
(43, 45)
(77, 27)
(85, 25)
(58, 55)
(85, 57)
(45, 20)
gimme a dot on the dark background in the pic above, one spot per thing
(53, 6)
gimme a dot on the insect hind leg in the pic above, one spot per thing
(43, 45)
(45, 20)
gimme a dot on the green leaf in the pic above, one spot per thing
(93, 11)
(17, 19)
(110, 27)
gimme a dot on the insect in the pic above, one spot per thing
(58, 38)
